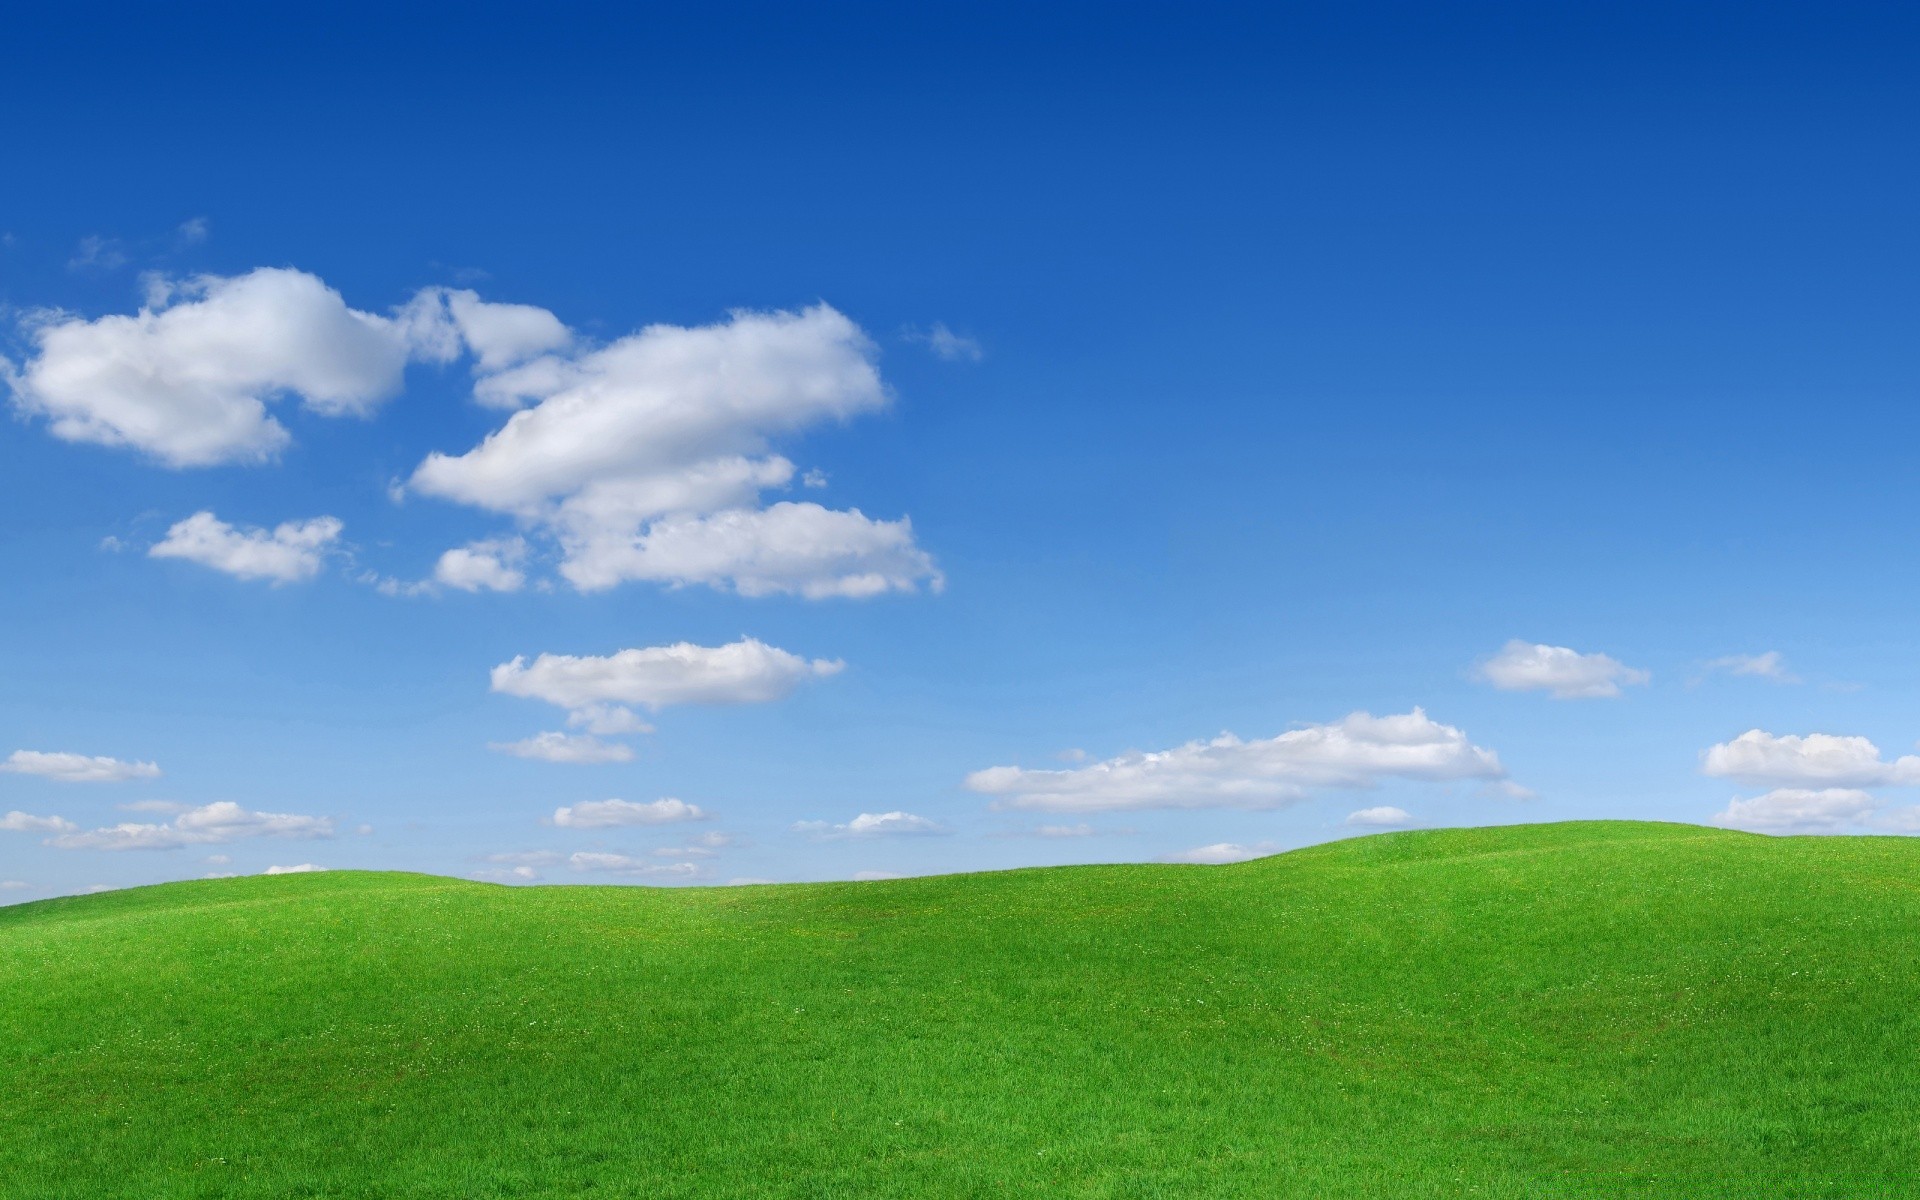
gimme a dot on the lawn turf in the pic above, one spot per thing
(1580, 1009)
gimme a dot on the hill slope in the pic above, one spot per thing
(1591, 1008)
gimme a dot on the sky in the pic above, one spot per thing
(729, 443)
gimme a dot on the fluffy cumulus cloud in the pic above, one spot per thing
(606, 814)
(1357, 751)
(19, 822)
(192, 377)
(597, 690)
(223, 821)
(188, 379)
(296, 869)
(646, 458)
(866, 825)
(1562, 673)
(1221, 853)
(1383, 816)
(77, 768)
(492, 565)
(1816, 760)
(288, 553)
(443, 322)
(791, 547)
(1799, 810)
(743, 672)
(557, 747)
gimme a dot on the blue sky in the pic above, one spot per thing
(938, 425)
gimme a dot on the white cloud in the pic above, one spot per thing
(557, 747)
(444, 320)
(587, 860)
(1761, 666)
(13, 884)
(193, 231)
(707, 845)
(291, 552)
(791, 548)
(1798, 810)
(604, 814)
(19, 822)
(653, 404)
(297, 869)
(890, 824)
(947, 344)
(743, 672)
(748, 881)
(1355, 752)
(1066, 831)
(1221, 853)
(1566, 674)
(188, 378)
(77, 768)
(153, 806)
(223, 821)
(607, 720)
(508, 874)
(646, 458)
(492, 565)
(1384, 815)
(685, 852)
(1820, 760)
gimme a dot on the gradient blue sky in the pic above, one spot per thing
(1300, 360)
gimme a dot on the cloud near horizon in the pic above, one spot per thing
(1817, 810)
(609, 814)
(1222, 853)
(1818, 760)
(1356, 752)
(1384, 816)
(222, 821)
(866, 825)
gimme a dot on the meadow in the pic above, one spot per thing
(1581, 1009)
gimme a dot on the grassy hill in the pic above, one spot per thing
(1578, 1009)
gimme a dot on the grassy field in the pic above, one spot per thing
(1578, 1009)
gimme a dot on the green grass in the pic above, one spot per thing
(1579, 1009)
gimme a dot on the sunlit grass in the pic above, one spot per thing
(1578, 1009)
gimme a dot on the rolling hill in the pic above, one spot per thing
(1599, 1008)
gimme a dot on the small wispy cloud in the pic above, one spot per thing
(946, 344)
(1753, 666)
(96, 253)
(890, 824)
